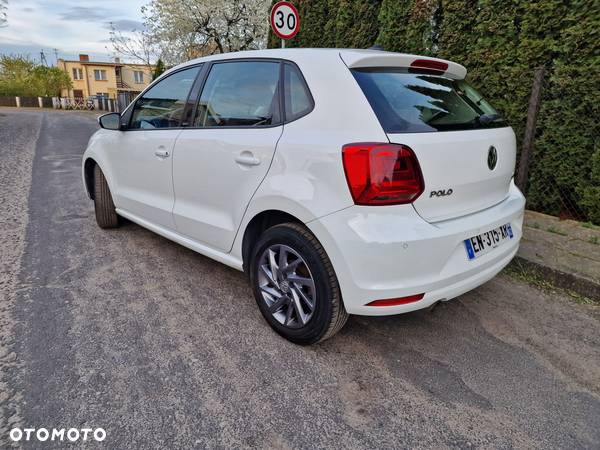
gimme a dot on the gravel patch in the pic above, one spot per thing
(18, 136)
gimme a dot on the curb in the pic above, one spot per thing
(568, 281)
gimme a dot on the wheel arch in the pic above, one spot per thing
(88, 176)
(257, 225)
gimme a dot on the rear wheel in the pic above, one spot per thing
(295, 286)
(106, 216)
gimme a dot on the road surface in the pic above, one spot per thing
(164, 348)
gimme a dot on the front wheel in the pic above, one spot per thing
(295, 286)
(106, 216)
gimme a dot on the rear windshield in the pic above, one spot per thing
(415, 103)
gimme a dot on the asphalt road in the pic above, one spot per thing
(164, 348)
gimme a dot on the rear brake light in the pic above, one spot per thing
(428, 66)
(397, 301)
(382, 174)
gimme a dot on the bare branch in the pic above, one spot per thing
(136, 45)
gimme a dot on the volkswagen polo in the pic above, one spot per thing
(341, 181)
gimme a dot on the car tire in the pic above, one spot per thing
(283, 289)
(106, 216)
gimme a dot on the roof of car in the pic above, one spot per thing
(353, 58)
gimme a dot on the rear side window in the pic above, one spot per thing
(412, 103)
(298, 100)
(163, 104)
(238, 94)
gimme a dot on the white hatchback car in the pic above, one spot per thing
(341, 181)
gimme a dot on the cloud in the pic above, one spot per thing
(79, 13)
(27, 9)
(125, 25)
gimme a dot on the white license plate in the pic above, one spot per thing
(486, 242)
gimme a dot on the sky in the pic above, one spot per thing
(72, 27)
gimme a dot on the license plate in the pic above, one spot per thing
(486, 242)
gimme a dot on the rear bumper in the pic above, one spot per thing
(390, 252)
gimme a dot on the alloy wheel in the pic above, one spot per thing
(287, 286)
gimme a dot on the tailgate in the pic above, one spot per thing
(459, 171)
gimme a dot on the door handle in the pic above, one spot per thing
(247, 159)
(162, 153)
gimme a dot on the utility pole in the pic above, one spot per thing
(55, 56)
(43, 61)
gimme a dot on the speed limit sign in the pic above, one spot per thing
(285, 20)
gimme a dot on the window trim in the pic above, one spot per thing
(204, 76)
(198, 86)
(141, 76)
(100, 73)
(306, 87)
(127, 115)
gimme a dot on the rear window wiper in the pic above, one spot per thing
(485, 119)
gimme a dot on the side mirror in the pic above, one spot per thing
(110, 121)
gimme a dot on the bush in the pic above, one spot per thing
(20, 76)
(501, 42)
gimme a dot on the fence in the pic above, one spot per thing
(29, 102)
(97, 103)
(557, 200)
(26, 102)
(8, 101)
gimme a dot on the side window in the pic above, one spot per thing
(298, 100)
(243, 93)
(162, 105)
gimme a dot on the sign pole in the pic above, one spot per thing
(283, 43)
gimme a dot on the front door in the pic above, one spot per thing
(221, 160)
(143, 159)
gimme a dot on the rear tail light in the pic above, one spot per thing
(382, 174)
(397, 301)
(428, 66)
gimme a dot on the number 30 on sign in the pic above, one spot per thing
(285, 20)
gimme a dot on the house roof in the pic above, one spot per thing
(103, 63)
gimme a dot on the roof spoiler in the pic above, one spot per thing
(357, 59)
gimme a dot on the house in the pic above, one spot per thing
(107, 79)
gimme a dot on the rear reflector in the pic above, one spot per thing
(428, 66)
(396, 301)
(382, 174)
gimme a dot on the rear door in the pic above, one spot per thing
(222, 158)
(465, 149)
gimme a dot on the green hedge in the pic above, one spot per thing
(500, 42)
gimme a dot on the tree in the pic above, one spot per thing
(158, 69)
(185, 29)
(3, 8)
(20, 76)
(356, 23)
(49, 81)
(136, 44)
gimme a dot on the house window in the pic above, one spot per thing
(99, 75)
(77, 74)
(139, 76)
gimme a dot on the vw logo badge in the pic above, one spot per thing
(492, 157)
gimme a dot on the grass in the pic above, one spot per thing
(594, 240)
(529, 275)
(590, 225)
(553, 229)
(535, 225)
